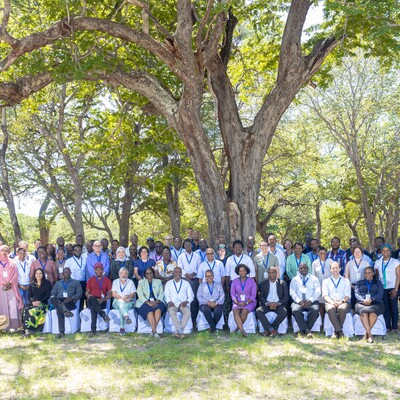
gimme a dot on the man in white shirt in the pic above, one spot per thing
(77, 265)
(189, 263)
(273, 248)
(177, 249)
(336, 291)
(239, 258)
(216, 266)
(178, 295)
(305, 290)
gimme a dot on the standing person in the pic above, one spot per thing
(89, 246)
(48, 266)
(177, 250)
(77, 266)
(263, 261)
(211, 297)
(98, 292)
(313, 254)
(305, 291)
(29, 257)
(39, 293)
(336, 292)
(274, 296)
(133, 253)
(63, 296)
(11, 302)
(150, 303)
(151, 246)
(196, 240)
(288, 247)
(214, 265)
(369, 294)
(293, 261)
(164, 269)
(272, 243)
(388, 271)
(60, 262)
(250, 250)
(243, 294)
(157, 255)
(114, 247)
(51, 252)
(60, 243)
(321, 270)
(178, 296)
(15, 249)
(202, 250)
(79, 240)
(239, 258)
(168, 240)
(98, 256)
(355, 271)
(123, 292)
(37, 243)
(222, 254)
(120, 261)
(307, 244)
(144, 262)
(189, 263)
(24, 268)
(134, 239)
(337, 254)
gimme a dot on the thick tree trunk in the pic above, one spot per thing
(44, 226)
(318, 219)
(5, 184)
(125, 215)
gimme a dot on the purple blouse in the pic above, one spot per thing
(248, 289)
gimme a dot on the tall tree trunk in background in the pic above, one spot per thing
(44, 224)
(5, 188)
(318, 220)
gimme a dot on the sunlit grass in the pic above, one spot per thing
(223, 367)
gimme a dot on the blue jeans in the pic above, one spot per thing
(24, 295)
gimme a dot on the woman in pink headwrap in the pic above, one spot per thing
(11, 303)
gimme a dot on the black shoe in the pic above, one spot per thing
(68, 314)
(61, 335)
(106, 318)
(92, 333)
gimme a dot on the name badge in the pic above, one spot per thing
(212, 299)
(151, 298)
(358, 275)
(265, 275)
(102, 295)
(303, 289)
(60, 270)
(242, 297)
(46, 276)
(65, 295)
(5, 274)
(367, 296)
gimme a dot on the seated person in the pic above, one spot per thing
(178, 296)
(305, 291)
(123, 292)
(274, 296)
(336, 291)
(211, 299)
(98, 291)
(150, 305)
(369, 295)
(243, 294)
(64, 295)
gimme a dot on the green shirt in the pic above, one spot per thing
(292, 264)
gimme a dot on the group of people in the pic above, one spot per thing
(186, 277)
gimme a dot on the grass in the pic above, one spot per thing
(199, 367)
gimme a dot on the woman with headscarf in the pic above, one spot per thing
(388, 270)
(11, 303)
(121, 261)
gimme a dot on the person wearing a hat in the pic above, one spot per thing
(243, 294)
(98, 291)
(388, 270)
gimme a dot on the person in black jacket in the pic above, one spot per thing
(274, 296)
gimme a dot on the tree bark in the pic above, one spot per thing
(5, 184)
(44, 226)
(318, 219)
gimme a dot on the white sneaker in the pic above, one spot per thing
(157, 336)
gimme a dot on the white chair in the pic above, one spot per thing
(249, 325)
(72, 324)
(115, 319)
(348, 327)
(202, 323)
(170, 328)
(47, 323)
(316, 327)
(271, 315)
(144, 326)
(379, 328)
(86, 320)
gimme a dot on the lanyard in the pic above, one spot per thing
(210, 288)
(180, 287)
(3, 265)
(165, 266)
(336, 284)
(322, 266)
(357, 265)
(202, 256)
(384, 271)
(43, 266)
(211, 267)
(368, 285)
(177, 255)
(98, 257)
(250, 253)
(76, 260)
(243, 286)
(314, 257)
(123, 288)
(150, 288)
(62, 262)
(65, 286)
(305, 281)
(100, 283)
(240, 259)
(191, 258)
(22, 266)
(158, 258)
(298, 261)
(265, 263)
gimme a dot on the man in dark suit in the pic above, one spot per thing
(274, 296)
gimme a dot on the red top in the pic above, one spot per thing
(97, 286)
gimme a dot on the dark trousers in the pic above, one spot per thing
(194, 305)
(212, 315)
(83, 299)
(280, 312)
(313, 314)
(61, 308)
(391, 310)
(96, 308)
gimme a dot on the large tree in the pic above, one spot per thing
(171, 53)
